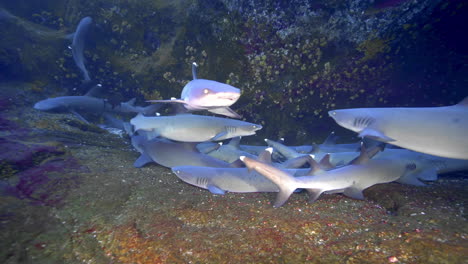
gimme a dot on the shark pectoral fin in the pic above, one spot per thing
(80, 117)
(283, 196)
(410, 179)
(215, 189)
(225, 111)
(219, 135)
(428, 175)
(151, 134)
(167, 101)
(314, 194)
(375, 134)
(354, 192)
(142, 161)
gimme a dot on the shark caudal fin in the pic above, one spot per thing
(285, 182)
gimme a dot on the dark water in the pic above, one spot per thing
(71, 194)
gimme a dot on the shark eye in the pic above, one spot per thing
(333, 113)
(206, 91)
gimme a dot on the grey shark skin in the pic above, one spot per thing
(220, 180)
(172, 154)
(194, 128)
(77, 45)
(213, 96)
(439, 131)
(351, 179)
(90, 104)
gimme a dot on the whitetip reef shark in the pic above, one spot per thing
(194, 128)
(171, 154)
(201, 94)
(88, 103)
(78, 44)
(239, 180)
(352, 179)
(439, 131)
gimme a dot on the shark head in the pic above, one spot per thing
(186, 174)
(248, 130)
(202, 93)
(50, 104)
(353, 119)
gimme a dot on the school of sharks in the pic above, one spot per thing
(406, 145)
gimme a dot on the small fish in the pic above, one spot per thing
(439, 131)
(194, 128)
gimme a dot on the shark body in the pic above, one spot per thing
(439, 131)
(194, 128)
(78, 44)
(172, 154)
(351, 179)
(90, 104)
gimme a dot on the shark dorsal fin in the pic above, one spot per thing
(331, 139)
(362, 158)
(131, 102)
(94, 91)
(314, 166)
(464, 102)
(265, 156)
(194, 70)
(325, 163)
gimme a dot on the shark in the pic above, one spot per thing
(439, 131)
(172, 154)
(202, 94)
(78, 43)
(239, 180)
(351, 180)
(194, 128)
(88, 103)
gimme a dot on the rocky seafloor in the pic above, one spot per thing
(70, 194)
